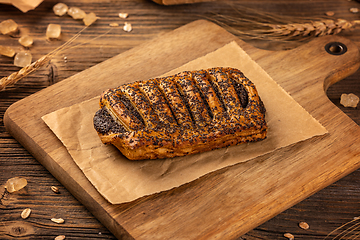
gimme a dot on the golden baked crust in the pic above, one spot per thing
(186, 113)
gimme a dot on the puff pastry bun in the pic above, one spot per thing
(186, 113)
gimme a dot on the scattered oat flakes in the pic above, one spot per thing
(354, 10)
(58, 220)
(349, 100)
(113, 24)
(289, 236)
(53, 188)
(330, 13)
(25, 213)
(127, 27)
(15, 184)
(60, 237)
(123, 15)
(304, 225)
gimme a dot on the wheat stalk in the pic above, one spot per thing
(25, 71)
(347, 232)
(16, 76)
(291, 31)
(317, 28)
(251, 24)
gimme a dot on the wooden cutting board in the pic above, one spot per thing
(227, 203)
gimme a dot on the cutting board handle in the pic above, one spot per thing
(323, 61)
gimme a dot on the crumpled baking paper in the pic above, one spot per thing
(120, 180)
(23, 5)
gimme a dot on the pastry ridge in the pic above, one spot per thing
(186, 113)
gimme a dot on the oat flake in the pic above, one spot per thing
(304, 225)
(289, 236)
(60, 237)
(58, 220)
(25, 213)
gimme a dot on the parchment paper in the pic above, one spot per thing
(23, 5)
(120, 180)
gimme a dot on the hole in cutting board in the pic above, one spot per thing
(336, 48)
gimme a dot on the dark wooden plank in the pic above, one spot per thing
(324, 211)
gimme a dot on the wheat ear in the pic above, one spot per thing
(317, 28)
(249, 24)
(290, 31)
(25, 71)
(16, 76)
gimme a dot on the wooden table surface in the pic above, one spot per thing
(325, 211)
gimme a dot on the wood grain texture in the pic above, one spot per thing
(324, 211)
(178, 2)
(174, 213)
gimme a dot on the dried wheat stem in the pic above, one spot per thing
(347, 232)
(16, 76)
(251, 24)
(356, 226)
(318, 28)
(23, 72)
